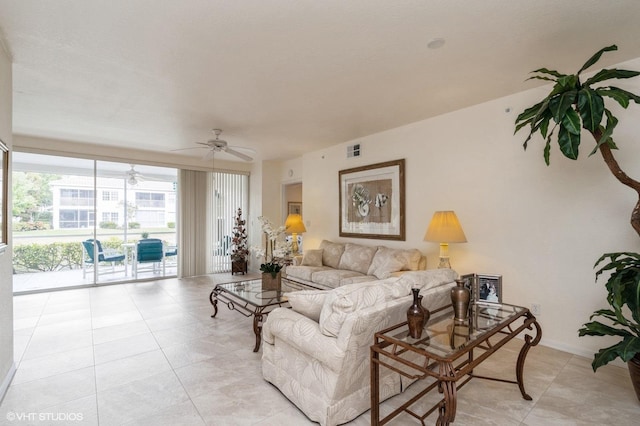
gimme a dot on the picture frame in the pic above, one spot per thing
(294, 208)
(4, 191)
(488, 288)
(372, 201)
(470, 283)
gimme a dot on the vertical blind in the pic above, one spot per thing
(229, 191)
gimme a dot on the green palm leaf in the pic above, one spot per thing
(591, 106)
(596, 57)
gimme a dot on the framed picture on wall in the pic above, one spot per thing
(295, 208)
(372, 201)
(4, 191)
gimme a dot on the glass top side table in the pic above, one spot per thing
(448, 351)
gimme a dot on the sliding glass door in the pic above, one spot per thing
(77, 221)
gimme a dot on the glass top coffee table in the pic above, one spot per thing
(250, 299)
(448, 351)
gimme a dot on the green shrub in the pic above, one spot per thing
(54, 256)
(47, 257)
(171, 225)
(134, 225)
(108, 225)
(30, 226)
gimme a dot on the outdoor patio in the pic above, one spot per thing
(39, 281)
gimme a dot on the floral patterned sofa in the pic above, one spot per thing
(317, 353)
(337, 264)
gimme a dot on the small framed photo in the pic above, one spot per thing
(488, 288)
(295, 208)
(470, 283)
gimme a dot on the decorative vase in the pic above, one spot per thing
(270, 282)
(460, 297)
(634, 372)
(417, 316)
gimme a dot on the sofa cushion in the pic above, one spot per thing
(307, 302)
(385, 263)
(388, 260)
(342, 301)
(332, 277)
(312, 258)
(305, 272)
(357, 257)
(358, 279)
(424, 280)
(331, 253)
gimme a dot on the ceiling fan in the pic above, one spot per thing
(219, 145)
(133, 176)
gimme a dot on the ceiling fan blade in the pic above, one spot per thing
(238, 154)
(184, 149)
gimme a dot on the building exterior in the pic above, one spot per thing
(76, 204)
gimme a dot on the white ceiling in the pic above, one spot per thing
(284, 76)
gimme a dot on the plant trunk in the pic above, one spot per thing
(622, 177)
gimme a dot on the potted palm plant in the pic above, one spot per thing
(239, 248)
(572, 106)
(623, 288)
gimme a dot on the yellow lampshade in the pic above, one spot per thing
(294, 225)
(445, 228)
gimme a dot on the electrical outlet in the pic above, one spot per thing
(536, 309)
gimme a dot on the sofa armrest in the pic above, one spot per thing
(303, 334)
(296, 260)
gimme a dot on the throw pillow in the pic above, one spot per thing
(308, 302)
(312, 258)
(342, 301)
(357, 257)
(331, 253)
(388, 266)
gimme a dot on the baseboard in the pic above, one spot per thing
(579, 351)
(7, 381)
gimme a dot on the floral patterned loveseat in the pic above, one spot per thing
(337, 264)
(317, 353)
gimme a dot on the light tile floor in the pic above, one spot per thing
(149, 354)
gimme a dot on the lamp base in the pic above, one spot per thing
(294, 243)
(444, 263)
(444, 256)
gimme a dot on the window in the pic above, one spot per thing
(76, 197)
(109, 195)
(110, 217)
(76, 218)
(150, 199)
(151, 218)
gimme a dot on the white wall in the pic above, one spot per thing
(7, 367)
(541, 228)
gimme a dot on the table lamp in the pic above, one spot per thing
(445, 228)
(294, 226)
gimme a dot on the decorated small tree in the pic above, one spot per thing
(573, 107)
(239, 248)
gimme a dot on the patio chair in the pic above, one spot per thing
(149, 251)
(104, 255)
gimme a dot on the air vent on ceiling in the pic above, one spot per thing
(353, 151)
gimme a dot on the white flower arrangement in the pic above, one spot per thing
(276, 247)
